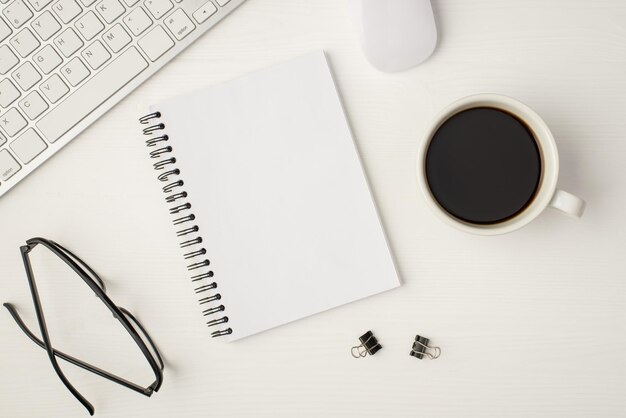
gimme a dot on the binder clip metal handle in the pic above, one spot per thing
(421, 348)
(369, 345)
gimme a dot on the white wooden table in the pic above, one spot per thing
(530, 324)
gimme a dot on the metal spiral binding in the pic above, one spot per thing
(160, 165)
(172, 186)
(166, 176)
(195, 254)
(174, 197)
(153, 141)
(158, 152)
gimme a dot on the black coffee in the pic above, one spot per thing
(483, 165)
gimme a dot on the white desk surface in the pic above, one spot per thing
(530, 324)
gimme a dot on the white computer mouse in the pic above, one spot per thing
(395, 34)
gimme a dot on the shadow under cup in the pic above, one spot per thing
(483, 165)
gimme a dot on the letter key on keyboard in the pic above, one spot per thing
(12, 122)
(47, 59)
(66, 10)
(117, 38)
(110, 10)
(33, 105)
(96, 55)
(24, 42)
(54, 88)
(46, 25)
(68, 42)
(89, 25)
(75, 71)
(26, 75)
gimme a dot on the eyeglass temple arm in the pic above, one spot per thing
(44, 331)
(70, 359)
(55, 247)
(158, 371)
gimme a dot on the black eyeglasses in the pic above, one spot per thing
(128, 321)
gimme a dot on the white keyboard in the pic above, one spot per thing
(63, 63)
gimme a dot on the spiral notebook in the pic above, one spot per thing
(269, 201)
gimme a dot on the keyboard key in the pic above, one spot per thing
(12, 121)
(158, 7)
(47, 59)
(110, 10)
(8, 59)
(89, 25)
(8, 93)
(116, 38)
(33, 105)
(137, 21)
(68, 42)
(46, 25)
(204, 12)
(28, 146)
(156, 43)
(222, 2)
(24, 42)
(96, 55)
(99, 88)
(26, 75)
(179, 24)
(38, 5)
(17, 13)
(54, 88)
(8, 165)
(3, 139)
(5, 30)
(75, 71)
(66, 10)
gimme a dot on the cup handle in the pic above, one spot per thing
(568, 203)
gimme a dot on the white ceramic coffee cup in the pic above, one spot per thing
(547, 193)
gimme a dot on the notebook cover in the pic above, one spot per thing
(279, 194)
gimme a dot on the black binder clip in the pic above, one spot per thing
(369, 345)
(421, 348)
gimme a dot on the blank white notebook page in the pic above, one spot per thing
(279, 195)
